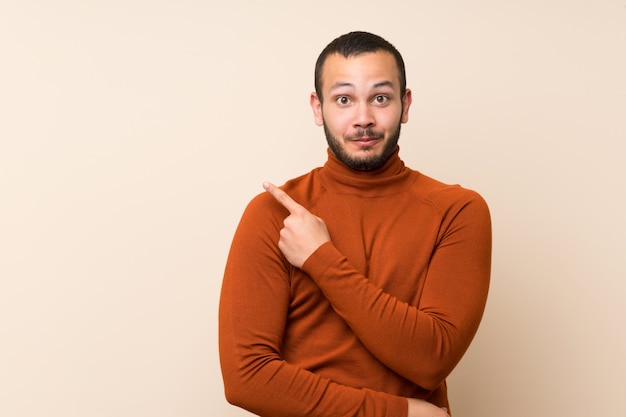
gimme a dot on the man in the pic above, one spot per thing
(355, 289)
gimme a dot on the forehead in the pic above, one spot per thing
(360, 70)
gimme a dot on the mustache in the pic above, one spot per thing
(366, 133)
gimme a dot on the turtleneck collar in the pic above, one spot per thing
(391, 178)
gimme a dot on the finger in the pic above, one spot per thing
(282, 197)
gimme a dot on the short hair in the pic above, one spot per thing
(354, 44)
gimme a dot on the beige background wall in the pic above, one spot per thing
(133, 133)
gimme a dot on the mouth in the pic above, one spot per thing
(366, 141)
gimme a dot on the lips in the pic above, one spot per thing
(366, 141)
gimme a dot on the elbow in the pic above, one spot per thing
(438, 364)
(234, 394)
(234, 386)
(246, 373)
(238, 388)
(432, 380)
(231, 390)
(244, 385)
(432, 375)
(441, 357)
(238, 393)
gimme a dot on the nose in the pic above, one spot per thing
(364, 116)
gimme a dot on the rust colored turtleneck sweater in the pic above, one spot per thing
(382, 312)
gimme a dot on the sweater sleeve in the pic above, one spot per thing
(422, 342)
(252, 318)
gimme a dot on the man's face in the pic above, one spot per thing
(362, 108)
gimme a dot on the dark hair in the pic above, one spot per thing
(353, 44)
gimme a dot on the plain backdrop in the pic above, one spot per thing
(133, 133)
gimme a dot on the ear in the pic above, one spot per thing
(406, 103)
(316, 105)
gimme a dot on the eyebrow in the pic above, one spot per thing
(347, 84)
(341, 84)
(383, 84)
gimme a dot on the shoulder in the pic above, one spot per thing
(305, 189)
(444, 197)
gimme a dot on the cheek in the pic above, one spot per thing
(391, 119)
(337, 122)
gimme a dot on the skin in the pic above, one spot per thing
(361, 115)
(362, 108)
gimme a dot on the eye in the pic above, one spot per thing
(381, 99)
(342, 100)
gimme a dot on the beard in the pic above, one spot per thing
(366, 162)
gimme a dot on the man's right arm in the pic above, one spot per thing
(252, 317)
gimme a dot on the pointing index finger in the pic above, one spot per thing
(282, 197)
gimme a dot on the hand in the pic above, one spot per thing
(302, 233)
(421, 408)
